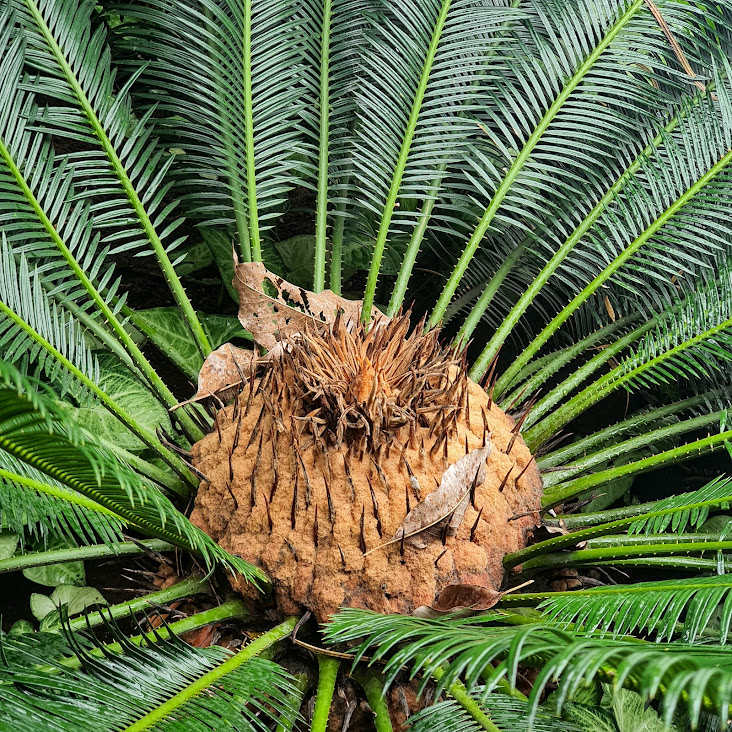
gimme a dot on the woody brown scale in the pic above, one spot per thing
(332, 442)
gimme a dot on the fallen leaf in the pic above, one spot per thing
(447, 503)
(464, 600)
(271, 308)
(221, 373)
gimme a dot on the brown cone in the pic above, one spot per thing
(327, 449)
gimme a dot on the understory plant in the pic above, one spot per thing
(548, 181)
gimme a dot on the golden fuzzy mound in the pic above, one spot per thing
(329, 446)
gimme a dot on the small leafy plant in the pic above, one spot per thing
(548, 181)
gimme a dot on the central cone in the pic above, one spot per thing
(332, 443)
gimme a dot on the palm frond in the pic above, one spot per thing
(160, 686)
(666, 610)
(684, 676)
(72, 61)
(70, 456)
(505, 712)
(232, 109)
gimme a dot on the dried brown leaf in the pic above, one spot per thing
(222, 373)
(271, 308)
(448, 502)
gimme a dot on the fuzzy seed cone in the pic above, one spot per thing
(328, 448)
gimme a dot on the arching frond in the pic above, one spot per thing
(684, 676)
(227, 81)
(70, 456)
(666, 610)
(505, 712)
(72, 61)
(161, 685)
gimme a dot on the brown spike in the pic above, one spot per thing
(467, 407)
(233, 497)
(475, 525)
(362, 537)
(315, 527)
(306, 477)
(401, 545)
(292, 549)
(331, 509)
(343, 558)
(252, 373)
(445, 530)
(466, 445)
(349, 479)
(440, 555)
(520, 475)
(473, 487)
(406, 495)
(444, 448)
(269, 515)
(218, 426)
(515, 431)
(252, 487)
(294, 502)
(486, 428)
(255, 428)
(238, 429)
(503, 482)
(376, 508)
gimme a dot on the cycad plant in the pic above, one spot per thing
(546, 180)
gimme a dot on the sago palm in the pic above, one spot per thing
(547, 181)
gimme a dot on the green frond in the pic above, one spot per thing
(162, 685)
(679, 512)
(227, 82)
(684, 676)
(587, 82)
(72, 61)
(65, 454)
(666, 610)
(506, 713)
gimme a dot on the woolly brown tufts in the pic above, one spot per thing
(329, 446)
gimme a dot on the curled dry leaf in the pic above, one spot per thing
(271, 308)
(464, 600)
(448, 502)
(221, 374)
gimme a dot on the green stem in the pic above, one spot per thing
(550, 366)
(590, 556)
(165, 264)
(646, 419)
(327, 675)
(628, 447)
(199, 686)
(321, 206)
(227, 611)
(587, 520)
(249, 132)
(109, 316)
(460, 694)
(613, 527)
(572, 488)
(186, 588)
(82, 553)
(401, 164)
(613, 380)
(373, 685)
(415, 242)
(137, 429)
(516, 167)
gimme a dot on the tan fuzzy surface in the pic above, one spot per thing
(267, 500)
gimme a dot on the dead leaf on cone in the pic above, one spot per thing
(272, 309)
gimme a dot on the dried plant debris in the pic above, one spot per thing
(335, 441)
(272, 309)
(223, 373)
(464, 600)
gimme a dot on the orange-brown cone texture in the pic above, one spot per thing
(322, 455)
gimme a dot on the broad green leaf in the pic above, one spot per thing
(21, 627)
(8, 544)
(298, 256)
(53, 575)
(221, 246)
(589, 718)
(631, 714)
(168, 331)
(76, 600)
(133, 396)
(196, 257)
(357, 253)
